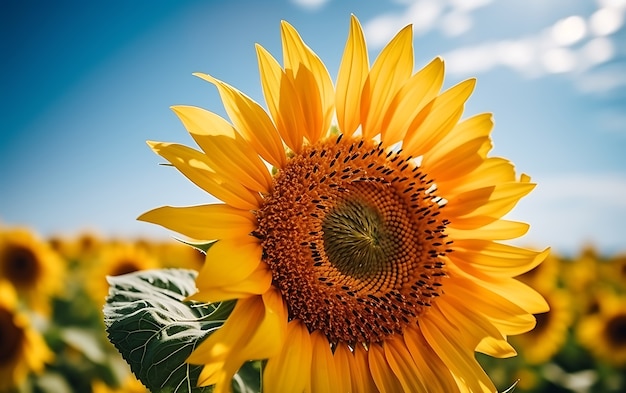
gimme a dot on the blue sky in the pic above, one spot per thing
(85, 84)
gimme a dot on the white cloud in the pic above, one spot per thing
(574, 45)
(453, 17)
(469, 5)
(559, 60)
(456, 23)
(606, 21)
(569, 31)
(310, 4)
(423, 14)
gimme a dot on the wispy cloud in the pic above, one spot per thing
(453, 17)
(573, 45)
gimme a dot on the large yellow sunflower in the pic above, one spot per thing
(32, 266)
(22, 349)
(369, 257)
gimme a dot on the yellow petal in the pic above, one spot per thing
(323, 372)
(403, 366)
(507, 316)
(343, 358)
(229, 261)
(492, 171)
(282, 100)
(258, 282)
(428, 362)
(203, 222)
(196, 167)
(418, 91)
(504, 198)
(457, 354)
(496, 347)
(517, 292)
(494, 258)
(391, 69)
(254, 330)
(360, 375)
(477, 127)
(383, 376)
(476, 329)
(230, 339)
(251, 121)
(497, 230)
(227, 152)
(437, 118)
(478, 207)
(312, 81)
(290, 370)
(460, 161)
(351, 77)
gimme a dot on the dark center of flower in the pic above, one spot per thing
(11, 338)
(21, 266)
(124, 266)
(543, 321)
(354, 240)
(616, 330)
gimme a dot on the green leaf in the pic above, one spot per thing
(155, 330)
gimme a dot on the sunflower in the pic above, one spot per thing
(178, 255)
(115, 259)
(31, 266)
(368, 258)
(22, 349)
(604, 333)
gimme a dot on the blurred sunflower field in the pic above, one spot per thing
(53, 336)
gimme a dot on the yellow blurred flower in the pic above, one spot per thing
(22, 349)
(116, 259)
(31, 266)
(179, 255)
(604, 333)
(357, 265)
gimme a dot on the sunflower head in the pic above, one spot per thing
(31, 266)
(22, 349)
(116, 259)
(604, 332)
(178, 255)
(372, 248)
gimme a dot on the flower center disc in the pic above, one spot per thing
(21, 266)
(354, 240)
(11, 338)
